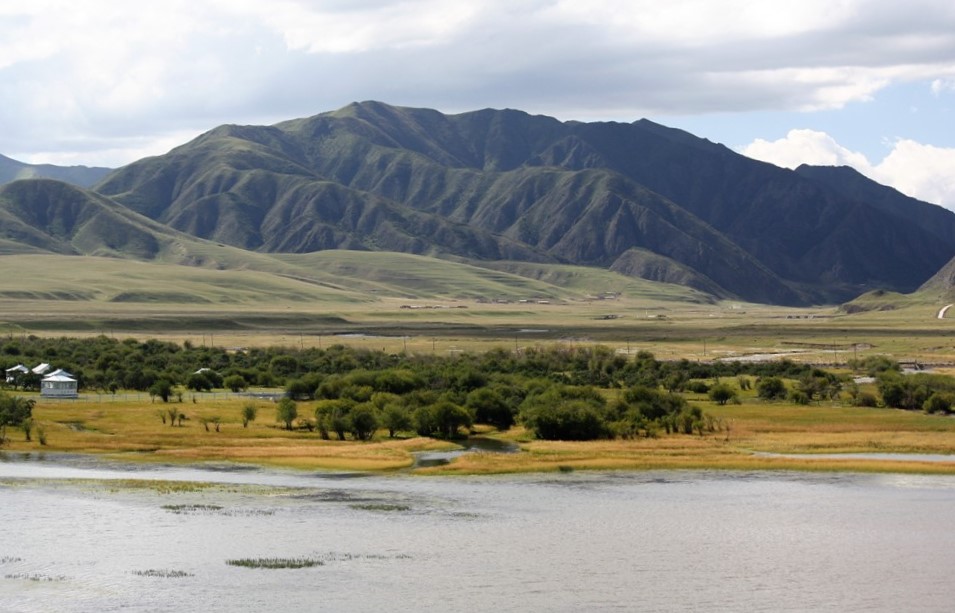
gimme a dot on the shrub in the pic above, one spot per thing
(770, 388)
(286, 412)
(799, 397)
(722, 393)
(570, 420)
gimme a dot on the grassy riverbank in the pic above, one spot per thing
(133, 430)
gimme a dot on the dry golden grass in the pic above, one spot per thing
(133, 430)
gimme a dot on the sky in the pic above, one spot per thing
(864, 83)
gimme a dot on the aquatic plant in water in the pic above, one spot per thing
(191, 508)
(163, 573)
(36, 577)
(274, 563)
(383, 507)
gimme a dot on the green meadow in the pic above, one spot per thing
(415, 304)
(401, 302)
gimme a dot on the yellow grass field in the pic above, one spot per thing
(133, 430)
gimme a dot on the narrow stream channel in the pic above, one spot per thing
(474, 444)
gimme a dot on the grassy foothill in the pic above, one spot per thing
(751, 433)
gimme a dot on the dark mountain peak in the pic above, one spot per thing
(494, 184)
(853, 185)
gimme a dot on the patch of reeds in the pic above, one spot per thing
(192, 508)
(162, 573)
(35, 577)
(380, 507)
(276, 563)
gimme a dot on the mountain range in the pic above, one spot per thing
(488, 186)
(83, 176)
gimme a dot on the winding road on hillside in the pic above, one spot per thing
(943, 310)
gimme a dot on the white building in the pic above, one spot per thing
(41, 369)
(16, 371)
(58, 386)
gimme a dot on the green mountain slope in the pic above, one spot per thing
(504, 185)
(82, 176)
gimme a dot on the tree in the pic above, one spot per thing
(286, 412)
(249, 413)
(364, 422)
(284, 366)
(721, 393)
(14, 411)
(161, 388)
(333, 415)
(939, 402)
(570, 420)
(235, 383)
(770, 388)
(449, 417)
(489, 407)
(199, 382)
(395, 418)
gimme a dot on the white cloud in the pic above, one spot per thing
(113, 69)
(918, 170)
(940, 86)
(804, 147)
(922, 171)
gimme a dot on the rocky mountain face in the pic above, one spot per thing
(638, 198)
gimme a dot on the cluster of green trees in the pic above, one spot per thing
(928, 392)
(15, 411)
(446, 403)
(558, 392)
(106, 364)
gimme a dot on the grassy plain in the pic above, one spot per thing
(400, 302)
(131, 429)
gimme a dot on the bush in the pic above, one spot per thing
(570, 420)
(722, 393)
(939, 402)
(799, 397)
(489, 407)
(249, 413)
(770, 388)
(865, 399)
(286, 412)
(444, 419)
(364, 422)
(395, 418)
(235, 383)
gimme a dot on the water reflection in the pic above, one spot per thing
(474, 444)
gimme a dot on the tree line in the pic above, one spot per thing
(558, 392)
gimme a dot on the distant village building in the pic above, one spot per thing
(16, 371)
(41, 369)
(59, 384)
(55, 384)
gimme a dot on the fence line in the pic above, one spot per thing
(186, 396)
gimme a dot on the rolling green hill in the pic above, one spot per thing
(507, 191)
(82, 176)
(639, 198)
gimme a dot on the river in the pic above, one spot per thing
(79, 536)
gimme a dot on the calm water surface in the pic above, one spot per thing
(76, 539)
